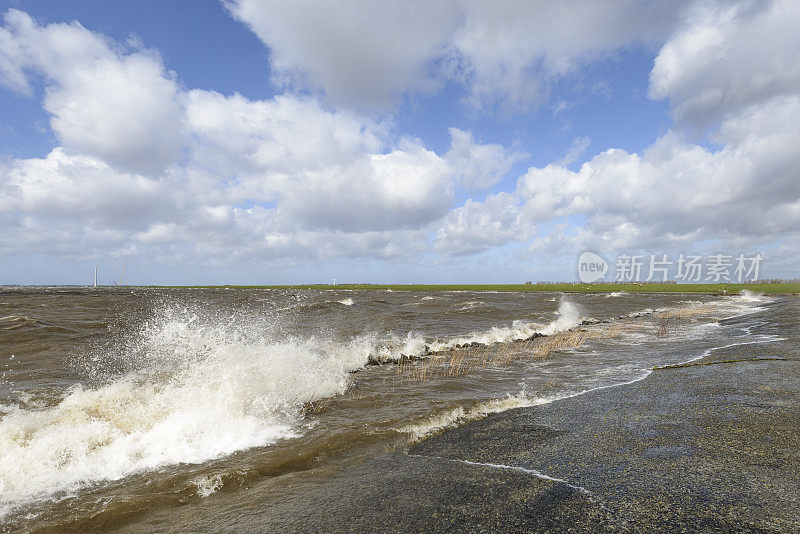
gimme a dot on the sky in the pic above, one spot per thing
(274, 142)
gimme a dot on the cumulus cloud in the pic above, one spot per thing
(674, 193)
(82, 187)
(478, 166)
(511, 51)
(364, 52)
(332, 170)
(283, 175)
(727, 56)
(506, 52)
(735, 64)
(280, 134)
(104, 100)
(147, 167)
(478, 226)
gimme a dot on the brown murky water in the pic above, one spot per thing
(118, 406)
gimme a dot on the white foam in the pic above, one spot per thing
(761, 338)
(347, 302)
(743, 304)
(568, 317)
(392, 348)
(471, 305)
(750, 296)
(457, 416)
(199, 391)
(207, 485)
(527, 471)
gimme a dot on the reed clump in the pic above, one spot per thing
(474, 358)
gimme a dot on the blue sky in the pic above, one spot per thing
(253, 140)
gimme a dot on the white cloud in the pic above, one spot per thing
(256, 177)
(728, 56)
(333, 170)
(159, 233)
(62, 186)
(475, 165)
(281, 134)
(578, 148)
(673, 194)
(104, 100)
(507, 52)
(737, 64)
(477, 226)
(323, 169)
(148, 168)
(512, 50)
(408, 187)
(364, 52)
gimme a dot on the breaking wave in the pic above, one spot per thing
(458, 416)
(196, 387)
(414, 346)
(197, 390)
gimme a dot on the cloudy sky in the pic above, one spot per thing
(448, 141)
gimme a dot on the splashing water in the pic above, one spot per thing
(191, 385)
(200, 390)
(750, 296)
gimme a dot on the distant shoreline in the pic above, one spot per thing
(776, 288)
(772, 288)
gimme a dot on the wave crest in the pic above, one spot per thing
(197, 390)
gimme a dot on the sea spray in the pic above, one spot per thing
(750, 296)
(568, 317)
(193, 385)
(207, 485)
(197, 385)
(200, 388)
(192, 378)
